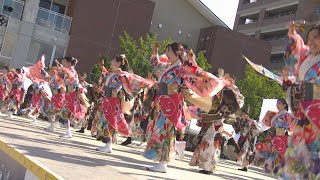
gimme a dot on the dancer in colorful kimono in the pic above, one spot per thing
(248, 131)
(227, 102)
(119, 90)
(169, 114)
(4, 85)
(17, 93)
(35, 105)
(52, 109)
(93, 94)
(97, 94)
(71, 110)
(270, 151)
(302, 159)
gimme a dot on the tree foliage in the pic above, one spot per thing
(202, 61)
(138, 52)
(255, 88)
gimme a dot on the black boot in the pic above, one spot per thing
(243, 169)
(127, 142)
(205, 172)
(81, 130)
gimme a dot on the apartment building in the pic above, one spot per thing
(268, 19)
(33, 28)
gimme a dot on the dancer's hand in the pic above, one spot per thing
(292, 28)
(155, 49)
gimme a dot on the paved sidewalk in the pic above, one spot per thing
(77, 158)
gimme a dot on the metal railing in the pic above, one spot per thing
(53, 20)
(282, 14)
(17, 8)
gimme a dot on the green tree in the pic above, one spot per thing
(96, 72)
(255, 88)
(202, 61)
(138, 52)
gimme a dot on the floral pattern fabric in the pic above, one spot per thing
(4, 83)
(270, 152)
(207, 153)
(302, 158)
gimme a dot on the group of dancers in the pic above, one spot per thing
(156, 110)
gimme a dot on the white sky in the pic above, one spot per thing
(226, 10)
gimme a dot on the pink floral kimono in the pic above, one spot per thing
(302, 155)
(169, 113)
(72, 102)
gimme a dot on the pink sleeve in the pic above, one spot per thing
(301, 49)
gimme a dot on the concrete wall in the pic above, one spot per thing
(9, 168)
(175, 15)
(224, 49)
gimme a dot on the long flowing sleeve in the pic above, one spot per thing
(157, 65)
(297, 51)
(133, 83)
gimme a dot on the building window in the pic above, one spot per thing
(276, 13)
(51, 15)
(277, 58)
(277, 35)
(45, 4)
(38, 48)
(59, 52)
(249, 1)
(53, 6)
(9, 44)
(317, 11)
(249, 19)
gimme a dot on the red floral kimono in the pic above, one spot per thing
(58, 96)
(169, 104)
(112, 107)
(4, 82)
(36, 97)
(72, 101)
(16, 94)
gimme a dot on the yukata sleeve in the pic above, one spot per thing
(72, 75)
(157, 65)
(300, 48)
(295, 54)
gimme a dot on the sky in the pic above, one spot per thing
(226, 10)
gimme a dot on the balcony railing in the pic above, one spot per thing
(278, 42)
(17, 7)
(54, 20)
(269, 1)
(279, 19)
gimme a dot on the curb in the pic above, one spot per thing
(35, 168)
